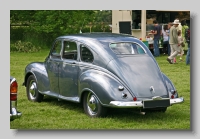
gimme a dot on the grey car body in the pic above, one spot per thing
(101, 70)
(14, 113)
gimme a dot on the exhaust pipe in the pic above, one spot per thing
(142, 112)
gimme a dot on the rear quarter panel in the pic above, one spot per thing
(103, 85)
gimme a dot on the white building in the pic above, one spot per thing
(123, 21)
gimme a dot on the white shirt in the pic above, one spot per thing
(165, 35)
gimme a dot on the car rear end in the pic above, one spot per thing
(142, 77)
(14, 114)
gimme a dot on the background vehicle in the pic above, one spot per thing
(14, 114)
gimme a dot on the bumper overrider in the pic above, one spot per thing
(148, 103)
(14, 114)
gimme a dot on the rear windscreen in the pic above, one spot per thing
(125, 48)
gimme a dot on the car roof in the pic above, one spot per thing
(100, 36)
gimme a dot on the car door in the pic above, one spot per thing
(53, 66)
(69, 70)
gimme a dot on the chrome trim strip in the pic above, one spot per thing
(122, 104)
(12, 81)
(75, 99)
(126, 104)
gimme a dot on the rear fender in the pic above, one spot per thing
(103, 85)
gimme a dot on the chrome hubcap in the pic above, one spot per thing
(92, 104)
(32, 89)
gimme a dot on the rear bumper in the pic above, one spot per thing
(14, 114)
(132, 104)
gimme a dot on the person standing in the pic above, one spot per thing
(157, 32)
(169, 47)
(179, 26)
(165, 33)
(181, 42)
(187, 38)
(174, 42)
(188, 55)
(184, 27)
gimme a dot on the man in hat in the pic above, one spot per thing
(173, 41)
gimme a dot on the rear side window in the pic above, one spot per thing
(86, 54)
(126, 48)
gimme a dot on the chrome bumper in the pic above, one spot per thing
(133, 104)
(15, 114)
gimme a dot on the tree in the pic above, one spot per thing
(52, 21)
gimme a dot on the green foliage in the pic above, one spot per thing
(96, 28)
(103, 16)
(16, 33)
(60, 22)
(41, 27)
(27, 47)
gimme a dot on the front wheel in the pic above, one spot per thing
(92, 106)
(32, 90)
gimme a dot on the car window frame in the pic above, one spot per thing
(51, 53)
(63, 47)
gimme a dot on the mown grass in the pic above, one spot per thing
(54, 114)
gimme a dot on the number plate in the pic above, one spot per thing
(156, 103)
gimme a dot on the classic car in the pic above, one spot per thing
(101, 71)
(14, 114)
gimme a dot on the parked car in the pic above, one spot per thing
(101, 70)
(14, 113)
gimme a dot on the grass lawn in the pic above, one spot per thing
(54, 114)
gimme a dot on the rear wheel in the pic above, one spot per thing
(92, 106)
(32, 90)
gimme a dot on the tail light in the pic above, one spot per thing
(13, 90)
(134, 99)
(173, 92)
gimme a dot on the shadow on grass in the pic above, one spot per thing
(115, 113)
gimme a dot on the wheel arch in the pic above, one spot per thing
(28, 74)
(87, 90)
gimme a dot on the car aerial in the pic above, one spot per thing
(14, 114)
(101, 71)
